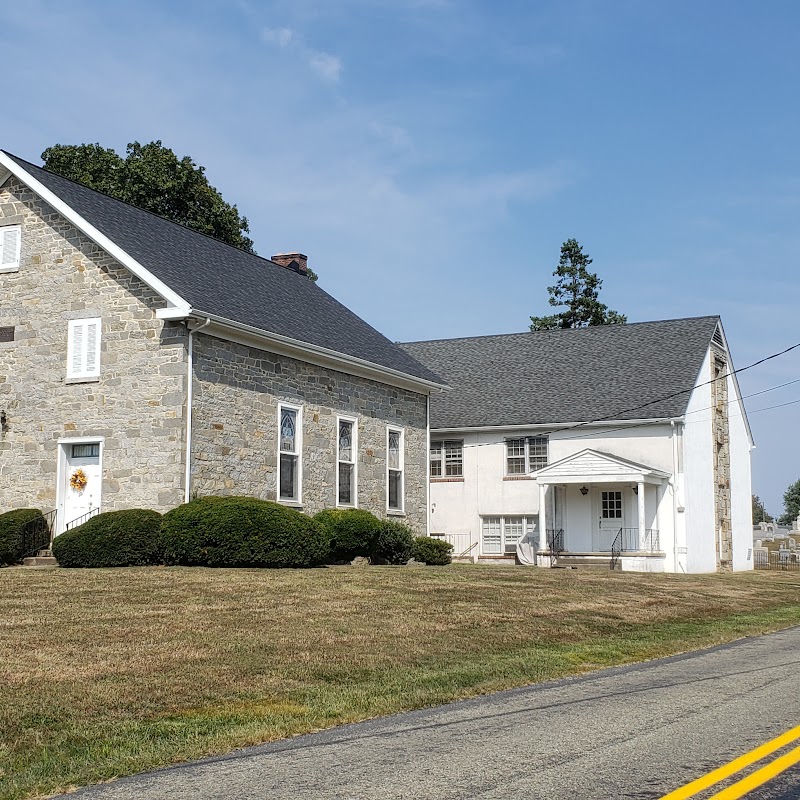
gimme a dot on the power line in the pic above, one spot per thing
(696, 411)
(678, 393)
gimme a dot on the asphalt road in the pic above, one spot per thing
(634, 732)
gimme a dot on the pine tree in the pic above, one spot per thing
(577, 292)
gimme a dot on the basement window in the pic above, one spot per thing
(7, 334)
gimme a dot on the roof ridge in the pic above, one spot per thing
(139, 208)
(564, 330)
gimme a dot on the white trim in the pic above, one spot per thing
(400, 509)
(297, 500)
(428, 465)
(95, 235)
(84, 324)
(5, 174)
(187, 478)
(61, 463)
(732, 374)
(314, 354)
(636, 472)
(553, 427)
(354, 449)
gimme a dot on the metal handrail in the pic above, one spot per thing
(555, 543)
(628, 539)
(80, 520)
(37, 534)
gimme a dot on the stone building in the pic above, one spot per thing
(142, 363)
(622, 443)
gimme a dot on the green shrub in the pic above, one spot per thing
(11, 525)
(130, 538)
(395, 543)
(432, 551)
(241, 532)
(351, 532)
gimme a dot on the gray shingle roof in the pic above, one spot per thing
(218, 279)
(563, 376)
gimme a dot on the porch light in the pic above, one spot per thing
(584, 491)
(635, 489)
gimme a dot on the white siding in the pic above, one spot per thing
(699, 477)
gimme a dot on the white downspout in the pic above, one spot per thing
(428, 464)
(187, 482)
(675, 495)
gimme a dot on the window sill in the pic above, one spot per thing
(290, 503)
(12, 268)
(519, 478)
(395, 512)
(447, 480)
(85, 379)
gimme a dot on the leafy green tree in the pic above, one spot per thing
(576, 292)
(152, 177)
(760, 512)
(791, 504)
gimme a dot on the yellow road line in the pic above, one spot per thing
(759, 777)
(725, 771)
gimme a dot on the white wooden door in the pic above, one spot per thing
(609, 517)
(82, 466)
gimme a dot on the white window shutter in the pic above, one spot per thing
(83, 348)
(75, 354)
(92, 347)
(9, 246)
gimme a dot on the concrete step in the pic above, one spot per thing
(39, 561)
(600, 561)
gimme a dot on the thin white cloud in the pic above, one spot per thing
(278, 36)
(325, 65)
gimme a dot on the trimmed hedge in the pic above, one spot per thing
(130, 538)
(395, 543)
(432, 551)
(11, 525)
(241, 532)
(351, 532)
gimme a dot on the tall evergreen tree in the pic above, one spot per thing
(760, 513)
(576, 292)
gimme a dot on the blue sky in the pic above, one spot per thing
(430, 156)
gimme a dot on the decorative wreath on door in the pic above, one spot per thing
(78, 480)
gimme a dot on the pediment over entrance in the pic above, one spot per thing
(596, 466)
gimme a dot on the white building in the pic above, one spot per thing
(627, 441)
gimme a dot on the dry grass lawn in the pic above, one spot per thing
(108, 672)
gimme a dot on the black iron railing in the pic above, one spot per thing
(555, 543)
(38, 533)
(783, 560)
(629, 539)
(80, 520)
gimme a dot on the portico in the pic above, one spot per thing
(595, 502)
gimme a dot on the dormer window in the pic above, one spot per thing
(10, 247)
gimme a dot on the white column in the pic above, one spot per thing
(640, 498)
(659, 498)
(542, 518)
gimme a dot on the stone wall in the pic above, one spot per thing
(138, 402)
(235, 421)
(722, 461)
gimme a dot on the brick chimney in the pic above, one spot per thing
(296, 262)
